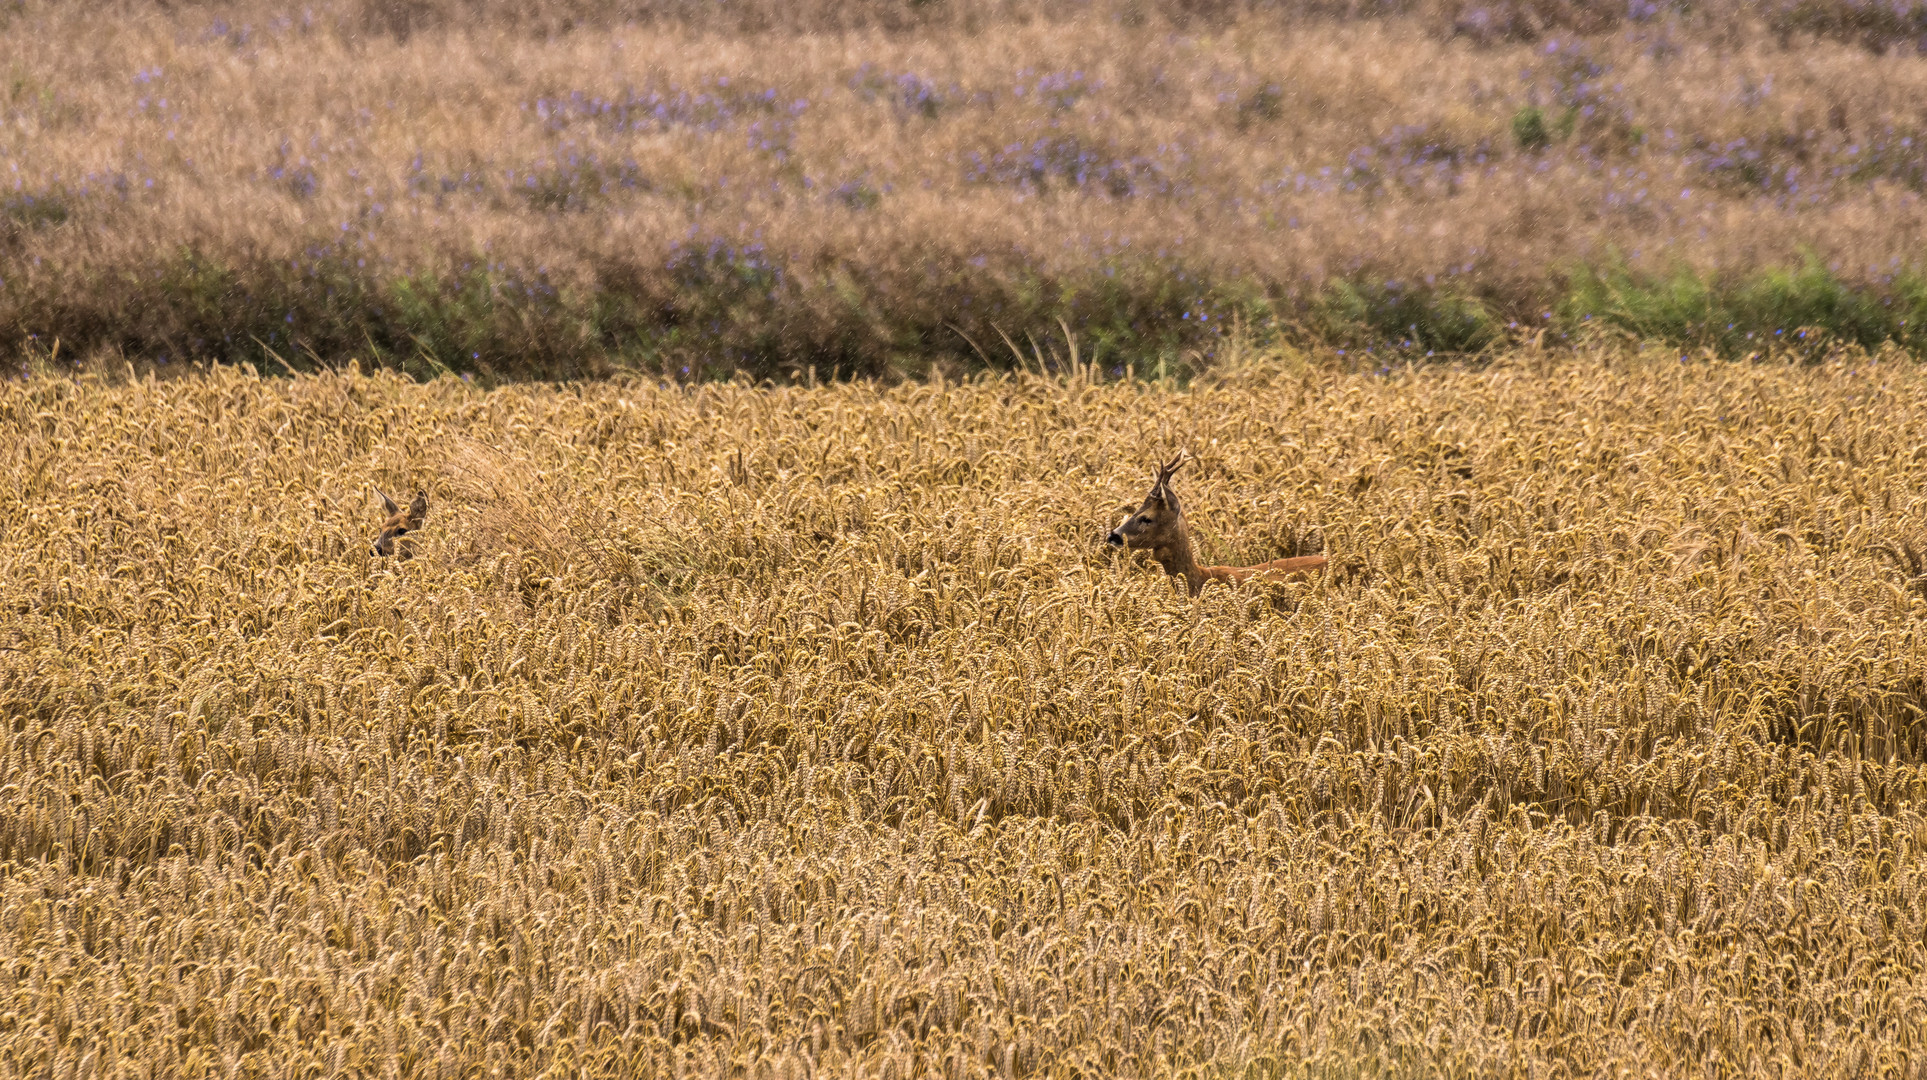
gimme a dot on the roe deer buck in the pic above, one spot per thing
(399, 523)
(1158, 527)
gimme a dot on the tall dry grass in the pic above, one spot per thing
(809, 730)
(559, 192)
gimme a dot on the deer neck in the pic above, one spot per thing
(1175, 556)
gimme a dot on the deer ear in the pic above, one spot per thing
(419, 508)
(387, 504)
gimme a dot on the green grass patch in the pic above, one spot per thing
(1787, 307)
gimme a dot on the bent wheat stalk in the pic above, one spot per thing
(1158, 527)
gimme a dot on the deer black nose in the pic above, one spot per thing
(1116, 539)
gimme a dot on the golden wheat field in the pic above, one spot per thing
(788, 730)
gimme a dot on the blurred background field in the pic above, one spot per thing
(586, 186)
(738, 731)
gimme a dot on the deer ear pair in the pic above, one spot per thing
(399, 522)
(417, 509)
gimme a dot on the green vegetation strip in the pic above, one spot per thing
(727, 311)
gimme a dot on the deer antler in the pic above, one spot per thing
(1167, 468)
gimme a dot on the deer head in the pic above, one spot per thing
(1158, 527)
(400, 522)
(1158, 524)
